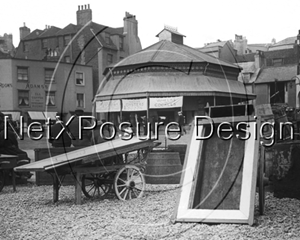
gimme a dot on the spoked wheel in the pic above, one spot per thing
(2, 177)
(96, 185)
(129, 183)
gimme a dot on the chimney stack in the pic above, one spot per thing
(24, 31)
(132, 43)
(240, 44)
(84, 15)
(258, 59)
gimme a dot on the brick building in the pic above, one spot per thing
(84, 43)
(272, 75)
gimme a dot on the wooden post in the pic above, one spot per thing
(121, 112)
(55, 188)
(78, 189)
(148, 104)
(13, 179)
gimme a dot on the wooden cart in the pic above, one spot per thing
(114, 165)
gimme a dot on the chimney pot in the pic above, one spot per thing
(78, 7)
(84, 15)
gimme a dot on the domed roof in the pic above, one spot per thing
(168, 52)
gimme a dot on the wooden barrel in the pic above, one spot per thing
(181, 149)
(163, 168)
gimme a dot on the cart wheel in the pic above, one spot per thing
(96, 185)
(261, 185)
(2, 177)
(129, 183)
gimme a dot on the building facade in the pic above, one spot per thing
(84, 43)
(38, 89)
(223, 50)
(272, 76)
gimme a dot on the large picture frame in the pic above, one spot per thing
(223, 202)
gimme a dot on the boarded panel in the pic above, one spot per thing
(219, 176)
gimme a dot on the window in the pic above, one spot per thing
(121, 58)
(109, 58)
(50, 99)
(49, 74)
(80, 100)
(67, 39)
(277, 61)
(22, 73)
(79, 78)
(107, 38)
(44, 43)
(120, 43)
(67, 59)
(277, 92)
(23, 98)
(25, 46)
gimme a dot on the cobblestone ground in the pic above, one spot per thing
(30, 214)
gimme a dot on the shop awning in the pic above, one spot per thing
(50, 115)
(108, 106)
(134, 105)
(166, 102)
(169, 85)
(37, 115)
(14, 115)
(140, 104)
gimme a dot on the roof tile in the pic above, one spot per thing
(283, 73)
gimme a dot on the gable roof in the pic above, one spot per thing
(49, 32)
(33, 35)
(72, 29)
(213, 47)
(69, 29)
(286, 41)
(171, 31)
(215, 44)
(167, 51)
(282, 73)
(116, 31)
